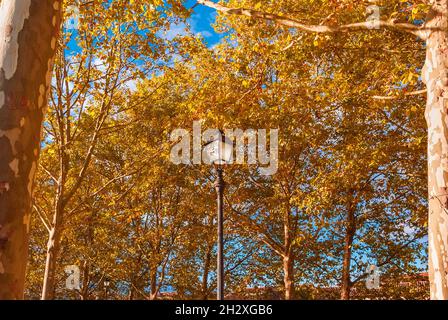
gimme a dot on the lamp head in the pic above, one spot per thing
(219, 151)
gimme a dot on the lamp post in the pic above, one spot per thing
(220, 152)
(219, 186)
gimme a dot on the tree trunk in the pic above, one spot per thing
(346, 283)
(28, 38)
(84, 293)
(288, 257)
(153, 284)
(435, 75)
(288, 276)
(53, 248)
(131, 292)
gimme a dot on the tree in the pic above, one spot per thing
(111, 52)
(434, 73)
(29, 32)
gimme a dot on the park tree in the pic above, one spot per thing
(114, 47)
(28, 36)
(371, 184)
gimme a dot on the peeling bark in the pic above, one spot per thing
(27, 29)
(435, 75)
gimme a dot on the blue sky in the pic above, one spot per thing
(201, 21)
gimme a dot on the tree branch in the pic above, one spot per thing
(293, 23)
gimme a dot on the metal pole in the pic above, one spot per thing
(219, 186)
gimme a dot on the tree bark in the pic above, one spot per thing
(53, 248)
(288, 276)
(28, 38)
(131, 293)
(84, 292)
(153, 285)
(435, 75)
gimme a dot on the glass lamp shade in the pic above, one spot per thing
(219, 151)
(106, 283)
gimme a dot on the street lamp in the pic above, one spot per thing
(106, 284)
(220, 152)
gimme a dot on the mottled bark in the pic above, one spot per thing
(435, 74)
(28, 37)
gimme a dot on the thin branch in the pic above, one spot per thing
(49, 174)
(413, 93)
(42, 217)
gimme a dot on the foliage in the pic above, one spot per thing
(350, 164)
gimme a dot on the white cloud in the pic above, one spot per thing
(409, 230)
(176, 29)
(206, 34)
